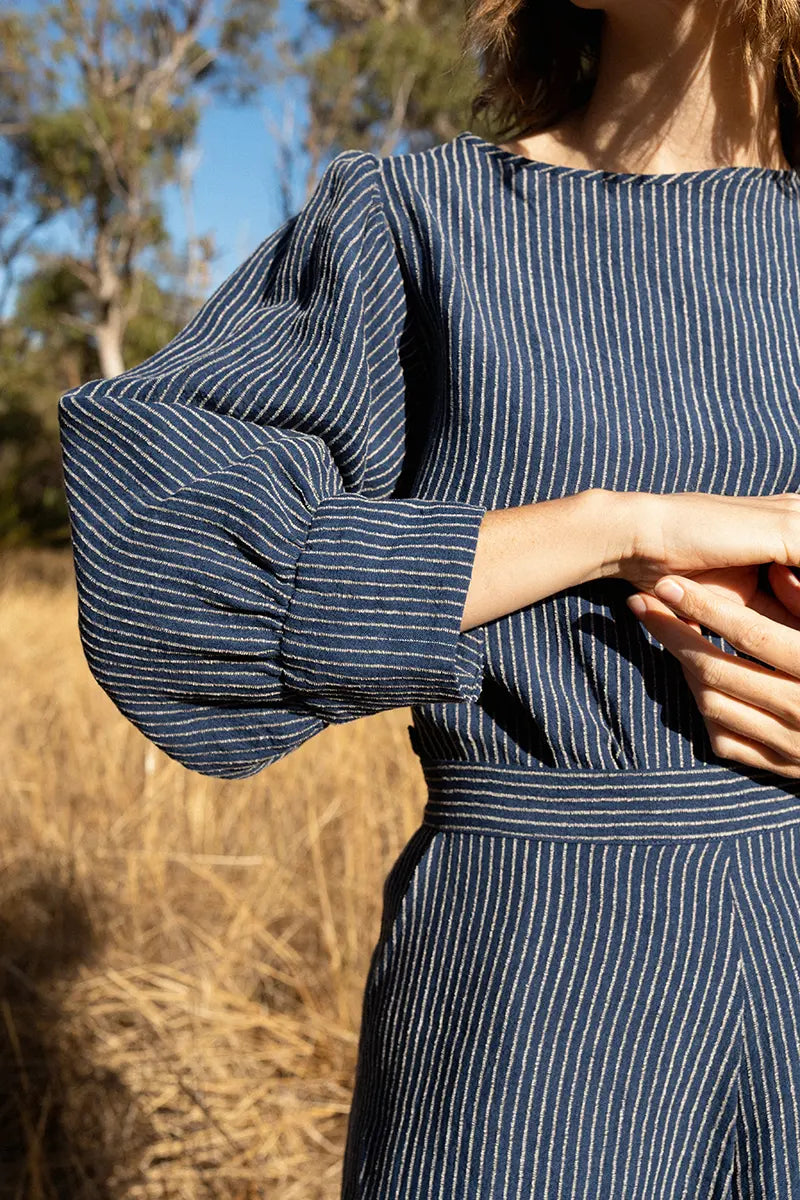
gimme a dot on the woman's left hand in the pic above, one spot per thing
(752, 712)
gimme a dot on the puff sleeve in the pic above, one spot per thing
(247, 572)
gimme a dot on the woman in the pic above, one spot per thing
(419, 449)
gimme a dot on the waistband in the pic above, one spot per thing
(709, 801)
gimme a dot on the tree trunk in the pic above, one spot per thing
(108, 338)
(110, 327)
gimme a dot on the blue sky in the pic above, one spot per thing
(235, 186)
(235, 193)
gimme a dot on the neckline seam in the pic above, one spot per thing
(790, 174)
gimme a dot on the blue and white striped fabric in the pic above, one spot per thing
(587, 993)
(251, 559)
(587, 982)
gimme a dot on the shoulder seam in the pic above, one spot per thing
(358, 158)
(369, 167)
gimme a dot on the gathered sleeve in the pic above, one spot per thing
(247, 571)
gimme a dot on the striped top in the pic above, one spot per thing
(275, 516)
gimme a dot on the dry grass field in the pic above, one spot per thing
(182, 958)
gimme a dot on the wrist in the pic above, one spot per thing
(615, 522)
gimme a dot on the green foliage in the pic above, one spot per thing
(32, 507)
(389, 72)
(98, 101)
(42, 355)
(64, 165)
(248, 27)
(160, 316)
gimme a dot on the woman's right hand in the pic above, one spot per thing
(683, 533)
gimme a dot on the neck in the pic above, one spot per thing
(681, 71)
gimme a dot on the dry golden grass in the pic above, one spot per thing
(182, 958)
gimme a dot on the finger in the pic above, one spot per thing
(727, 744)
(746, 720)
(752, 683)
(770, 641)
(658, 619)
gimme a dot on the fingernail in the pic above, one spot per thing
(637, 605)
(669, 590)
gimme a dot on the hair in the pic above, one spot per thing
(538, 60)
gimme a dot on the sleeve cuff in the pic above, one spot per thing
(373, 620)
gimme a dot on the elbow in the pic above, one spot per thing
(208, 712)
(208, 739)
(179, 617)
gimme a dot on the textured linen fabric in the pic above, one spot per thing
(586, 988)
(246, 570)
(586, 980)
(275, 516)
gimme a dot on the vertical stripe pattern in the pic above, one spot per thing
(586, 981)
(563, 1019)
(251, 564)
(600, 329)
(275, 516)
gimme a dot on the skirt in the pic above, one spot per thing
(586, 985)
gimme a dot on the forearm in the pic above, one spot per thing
(527, 553)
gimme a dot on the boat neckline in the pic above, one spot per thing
(792, 174)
